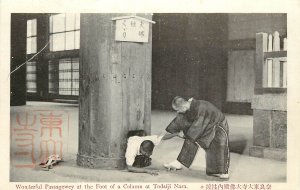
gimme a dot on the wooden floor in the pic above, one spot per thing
(243, 168)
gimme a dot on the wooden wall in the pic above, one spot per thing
(208, 56)
(245, 26)
(189, 58)
(241, 58)
(240, 76)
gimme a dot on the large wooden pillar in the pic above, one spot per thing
(115, 91)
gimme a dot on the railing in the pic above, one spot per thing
(271, 63)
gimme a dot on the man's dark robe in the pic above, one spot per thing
(205, 125)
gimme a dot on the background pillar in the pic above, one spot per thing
(115, 91)
(18, 56)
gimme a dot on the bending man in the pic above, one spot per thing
(202, 125)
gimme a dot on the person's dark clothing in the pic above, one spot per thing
(206, 126)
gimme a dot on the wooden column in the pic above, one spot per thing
(18, 56)
(42, 63)
(115, 91)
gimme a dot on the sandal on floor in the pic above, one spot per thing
(50, 162)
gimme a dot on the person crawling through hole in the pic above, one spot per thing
(139, 149)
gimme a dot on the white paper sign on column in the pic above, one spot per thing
(132, 29)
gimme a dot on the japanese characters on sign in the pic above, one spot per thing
(132, 29)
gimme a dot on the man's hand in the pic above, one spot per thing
(169, 136)
(180, 134)
(161, 135)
